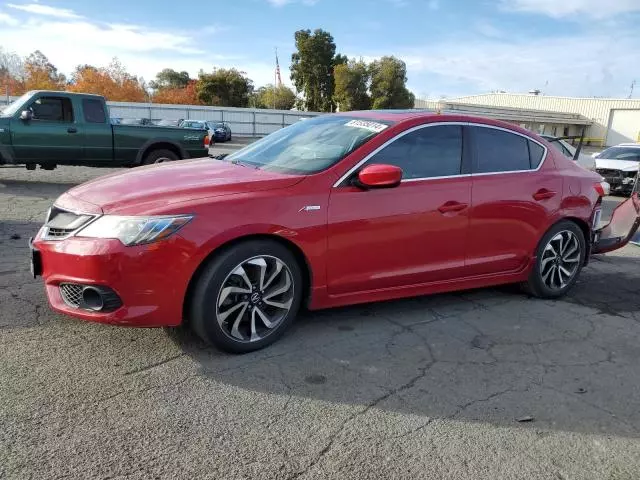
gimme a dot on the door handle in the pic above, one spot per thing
(452, 207)
(72, 130)
(543, 194)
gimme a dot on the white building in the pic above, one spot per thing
(609, 121)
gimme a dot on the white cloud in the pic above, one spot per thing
(582, 65)
(143, 51)
(38, 9)
(487, 29)
(567, 8)
(7, 19)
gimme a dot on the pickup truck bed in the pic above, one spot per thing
(60, 128)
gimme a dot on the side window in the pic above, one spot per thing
(536, 152)
(500, 151)
(425, 153)
(93, 111)
(52, 109)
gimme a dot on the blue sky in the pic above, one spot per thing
(451, 47)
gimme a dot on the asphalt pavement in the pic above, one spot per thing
(485, 384)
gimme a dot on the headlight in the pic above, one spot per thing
(134, 230)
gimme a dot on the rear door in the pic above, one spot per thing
(515, 190)
(98, 134)
(53, 135)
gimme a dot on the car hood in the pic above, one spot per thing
(624, 165)
(168, 186)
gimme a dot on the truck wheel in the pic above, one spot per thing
(159, 156)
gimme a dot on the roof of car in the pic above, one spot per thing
(404, 115)
(636, 145)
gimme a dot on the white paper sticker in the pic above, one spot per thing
(371, 126)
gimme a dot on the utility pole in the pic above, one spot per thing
(633, 84)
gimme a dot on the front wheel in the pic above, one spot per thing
(559, 259)
(247, 296)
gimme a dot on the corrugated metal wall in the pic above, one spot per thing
(243, 121)
(596, 109)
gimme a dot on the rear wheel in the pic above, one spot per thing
(247, 296)
(559, 259)
(159, 156)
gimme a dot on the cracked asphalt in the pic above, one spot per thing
(430, 387)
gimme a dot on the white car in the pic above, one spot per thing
(619, 166)
(568, 150)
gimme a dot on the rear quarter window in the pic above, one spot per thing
(536, 154)
(93, 111)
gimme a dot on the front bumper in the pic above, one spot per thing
(150, 280)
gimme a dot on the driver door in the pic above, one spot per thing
(52, 135)
(412, 234)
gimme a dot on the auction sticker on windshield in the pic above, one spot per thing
(372, 126)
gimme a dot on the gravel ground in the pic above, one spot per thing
(429, 387)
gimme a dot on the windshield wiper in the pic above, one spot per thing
(220, 156)
(244, 164)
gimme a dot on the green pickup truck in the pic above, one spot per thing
(60, 128)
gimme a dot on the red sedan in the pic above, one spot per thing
(335, 210)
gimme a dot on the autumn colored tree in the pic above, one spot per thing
(11, 73)
(182, 96)
(112, 82)
(41, 74)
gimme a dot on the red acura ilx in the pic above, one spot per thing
(335, 210)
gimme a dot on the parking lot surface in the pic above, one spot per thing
(486, 384)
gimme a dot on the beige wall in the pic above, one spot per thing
(596, 109)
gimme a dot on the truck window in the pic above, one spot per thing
(93, 111)
(52, 109)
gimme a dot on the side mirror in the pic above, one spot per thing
(26, 115)
(379, 176)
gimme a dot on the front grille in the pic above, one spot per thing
(54, 233)
(71, 294)
(62, 223)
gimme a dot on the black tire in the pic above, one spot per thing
(536, 285)
(203, 307)
(159, 156)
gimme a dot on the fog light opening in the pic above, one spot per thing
(92, 299)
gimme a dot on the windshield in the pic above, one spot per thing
(621, 153)
(310, 146)
(14, 106)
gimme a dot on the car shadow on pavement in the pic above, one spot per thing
(493, 356)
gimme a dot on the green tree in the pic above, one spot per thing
(169, 78)
(280, 98)
(351, 86)
(224, 87)
(388, 84)
(312, 68)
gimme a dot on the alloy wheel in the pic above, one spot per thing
(560, 260)
(255, 298)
